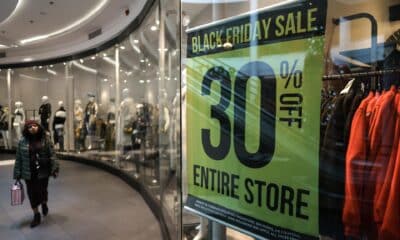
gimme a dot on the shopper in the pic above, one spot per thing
(35, 163)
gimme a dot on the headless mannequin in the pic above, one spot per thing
(45, 113)
(90, 119)
(4, 114)
(78, 124)
(19, 120)
(58, 125)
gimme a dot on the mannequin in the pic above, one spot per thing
(4, 126)
(128, 113)
(78, 124)
(45, 112)
(89, 121)
(19, 120)
(164, 131)
(110, 129)
(58, 125)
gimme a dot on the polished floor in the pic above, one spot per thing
(84, 202)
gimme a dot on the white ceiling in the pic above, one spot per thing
(59, 19)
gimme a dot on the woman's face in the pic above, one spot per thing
(33, 129)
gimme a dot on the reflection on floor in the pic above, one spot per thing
(85, 203)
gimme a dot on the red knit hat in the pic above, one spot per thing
(31, 122)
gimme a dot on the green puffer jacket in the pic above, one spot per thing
(22, 169)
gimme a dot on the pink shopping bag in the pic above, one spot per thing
(17, 193)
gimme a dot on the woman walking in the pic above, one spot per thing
(35, 163)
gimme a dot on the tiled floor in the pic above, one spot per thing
(85, 203)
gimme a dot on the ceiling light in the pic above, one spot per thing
(142, 60)
(104, 54)
(135, 41)
(165, 49)
(67, 28)
(125, 81)
(148, 80)
(149, 64)
(14, 45)
(51, 66)
(111, 85)
(153, 28)
(122, 47)
(93, 58)
(40, 67)
(3, 46)
(81, 60)
(27, 59)
(158, 22)
(105, 80)
(141, 81)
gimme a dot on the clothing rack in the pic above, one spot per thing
(361, 74)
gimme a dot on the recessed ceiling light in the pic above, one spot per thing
(125, 81)
(81, 60)
(122, 47)
(153, 28)
(27, 59)
(148, 80)
(142, 60)
(141, 81)
(135, 41)
(93, 58)
(105, 80)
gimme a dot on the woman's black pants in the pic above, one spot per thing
(37, 191)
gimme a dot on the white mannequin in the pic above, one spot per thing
(4, 114)
(128, 115)
(90, 118)
(19, 120)
(45, 113)
(78, 123)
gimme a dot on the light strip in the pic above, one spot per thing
(84, 68)
(3, 46)
(109, 60)
(15, 10)
(6, 162)
(133, 44)
(67, 28)
(275, 5)
(34, 78)
(52, 72)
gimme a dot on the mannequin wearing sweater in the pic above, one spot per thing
(58, 125)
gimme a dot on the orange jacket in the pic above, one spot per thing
(355, 156)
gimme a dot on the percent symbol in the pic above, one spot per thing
(294, 75)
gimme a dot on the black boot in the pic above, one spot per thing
(36, 220)
(45, 209)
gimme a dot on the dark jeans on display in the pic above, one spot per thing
(37, 191)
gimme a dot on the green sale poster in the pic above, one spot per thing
(253, 117)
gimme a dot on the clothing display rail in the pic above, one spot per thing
(361, 74)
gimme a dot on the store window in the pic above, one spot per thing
(291, 117)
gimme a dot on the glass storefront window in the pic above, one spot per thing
(325, 74)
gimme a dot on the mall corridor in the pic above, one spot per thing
(84, 203)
